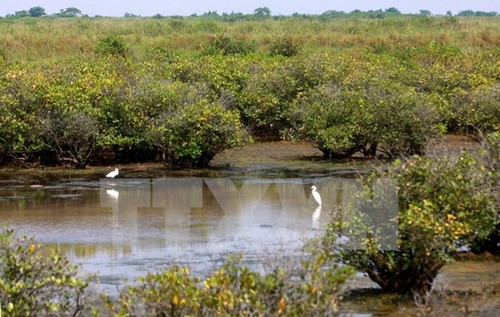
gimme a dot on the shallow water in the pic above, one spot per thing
(123, 228)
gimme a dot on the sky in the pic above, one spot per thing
(278, 7)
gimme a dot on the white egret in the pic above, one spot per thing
(112, 174)
(316, 195)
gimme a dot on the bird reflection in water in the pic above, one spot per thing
(315, 218)
(113, 193)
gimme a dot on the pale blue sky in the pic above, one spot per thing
(284, 7)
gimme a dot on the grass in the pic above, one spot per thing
(57, 38)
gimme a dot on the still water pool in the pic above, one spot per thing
(123, 228)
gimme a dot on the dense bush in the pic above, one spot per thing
(22, 91)
(72, 135)
(111, 45)
(285, 45)
(477, 111)
(271, 87)
(443, 204)
(377, 115)
(490, 161)
(35, 281)
(224, 45)
(191, 135)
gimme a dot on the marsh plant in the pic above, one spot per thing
(37, 281)
(442, 203)
(310, 286)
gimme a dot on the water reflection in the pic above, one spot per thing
(316, 223)
(113, 193)
(126, 227)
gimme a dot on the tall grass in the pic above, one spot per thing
(52, 38)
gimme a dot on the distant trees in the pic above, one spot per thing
(262, 12)
(132, 15)
(70, 12)
(392, 10)
(21, 14)
(425, 13)
(470, 13)
(332, 13)
(37, 12)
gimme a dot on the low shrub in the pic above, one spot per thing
(111, 45)
(225, 45)
(441, 205)
(35, 281)
(285, 45)
(310, 289)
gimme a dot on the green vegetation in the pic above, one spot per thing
(192, 135)
(35, 281)
(350, 85)
(443, 204)
(236, 290)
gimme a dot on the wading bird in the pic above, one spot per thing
(316, 195)
(112, 174)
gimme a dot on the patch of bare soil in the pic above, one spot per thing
(451, 144)
(272, 153)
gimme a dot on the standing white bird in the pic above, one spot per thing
(112, 174)
(316, 195)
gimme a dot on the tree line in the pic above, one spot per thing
(261, 12)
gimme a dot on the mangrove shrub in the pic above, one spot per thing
(371, 116)
(443, 204)
(191, 135)
(36, 281)
(310, 289)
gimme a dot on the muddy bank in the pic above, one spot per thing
(462, 288)
(259, 156)
(271, 159)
